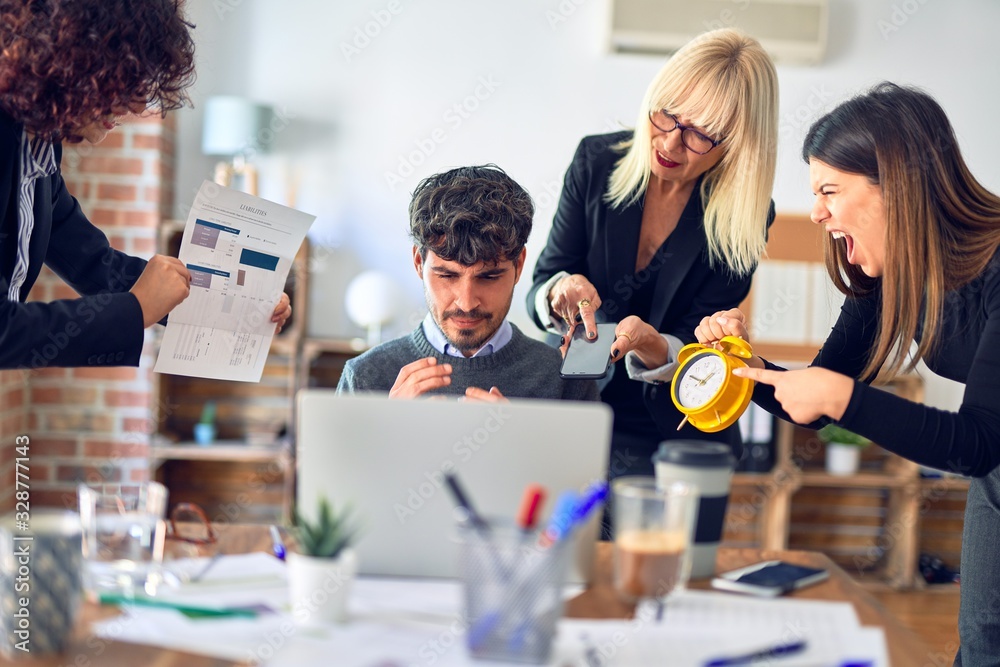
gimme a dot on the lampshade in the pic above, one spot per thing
(233, 125)
(371, 298)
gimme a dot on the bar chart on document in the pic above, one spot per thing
(238, 249)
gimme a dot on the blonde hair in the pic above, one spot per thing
(725, 83)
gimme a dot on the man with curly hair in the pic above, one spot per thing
(469, 227)
(69, 70)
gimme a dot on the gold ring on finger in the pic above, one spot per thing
(583, 303)
(622, 333)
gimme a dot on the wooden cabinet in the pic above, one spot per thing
(870, 523)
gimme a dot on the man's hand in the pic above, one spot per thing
(164, 283)
(477, 395)
(420, 377)
(281, 312)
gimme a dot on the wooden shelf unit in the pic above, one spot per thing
(240, 483)
(870, 523)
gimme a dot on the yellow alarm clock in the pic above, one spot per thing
(704, 387)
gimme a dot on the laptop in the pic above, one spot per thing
(386, 458)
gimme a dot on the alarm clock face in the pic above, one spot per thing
(701, 380)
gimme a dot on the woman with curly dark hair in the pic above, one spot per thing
(69, 70)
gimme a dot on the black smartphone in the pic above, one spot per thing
(589, 359)
(769, 578)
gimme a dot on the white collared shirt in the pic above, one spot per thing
(440, 343)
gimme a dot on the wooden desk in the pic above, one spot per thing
(599, 601)
(905, 647)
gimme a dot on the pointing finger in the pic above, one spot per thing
(758, 375)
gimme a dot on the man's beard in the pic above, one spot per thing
(467, 339)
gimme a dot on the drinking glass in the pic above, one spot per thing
(123, 530)
(652, 527)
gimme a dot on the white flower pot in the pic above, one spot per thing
(320, 587)
(842, 459)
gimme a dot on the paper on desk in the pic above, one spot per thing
(236, 580)
(250, 569)
(388, 617)
(411, 622)
(238, 249)
(699, 626)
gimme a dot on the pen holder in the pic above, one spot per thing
(513, 593)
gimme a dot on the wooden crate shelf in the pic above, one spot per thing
(875, 523)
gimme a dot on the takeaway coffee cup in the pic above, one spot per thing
(709, 467)
(40, 581)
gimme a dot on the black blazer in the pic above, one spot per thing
(104, 327)
(591, 238)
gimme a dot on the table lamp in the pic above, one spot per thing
(233, 129)
(371, 300)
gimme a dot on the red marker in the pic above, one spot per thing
(531, 504)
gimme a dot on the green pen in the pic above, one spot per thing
(194, 611)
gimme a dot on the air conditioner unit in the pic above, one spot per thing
(792, 31)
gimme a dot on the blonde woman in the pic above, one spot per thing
(662, 225)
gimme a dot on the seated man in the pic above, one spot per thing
(469, 227)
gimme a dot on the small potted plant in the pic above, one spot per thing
(843, 449)
(204, 430)
(320, 574)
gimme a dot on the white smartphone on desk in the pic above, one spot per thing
(769, 578)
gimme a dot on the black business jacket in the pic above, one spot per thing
(591, 238)
(104, 327)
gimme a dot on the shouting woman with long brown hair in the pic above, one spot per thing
(912, 241)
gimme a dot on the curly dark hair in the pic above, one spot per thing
(67, 63)
(471, 215)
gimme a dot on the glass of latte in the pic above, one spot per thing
(652, 535)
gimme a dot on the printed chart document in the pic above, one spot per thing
(238, 249)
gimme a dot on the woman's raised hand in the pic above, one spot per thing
(575, 299)
(634, 335)
(724, 323)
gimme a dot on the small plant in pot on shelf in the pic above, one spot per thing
(843, 449)
(204, 430)
(321, 573)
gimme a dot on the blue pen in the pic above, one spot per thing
(561, 519)
(278, 545)
(777, 651)
(592, 497)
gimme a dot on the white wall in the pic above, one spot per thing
(405, 103)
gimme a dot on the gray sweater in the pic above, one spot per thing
(523, 368)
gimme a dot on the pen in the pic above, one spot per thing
(777, 651)
(531, 503)
(592, 497)
(560, 520)
(463, 501)
(187, 609)
(278, 545)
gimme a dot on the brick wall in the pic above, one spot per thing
(13, 422)
(89, 424)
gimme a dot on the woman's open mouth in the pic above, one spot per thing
(664, 162)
